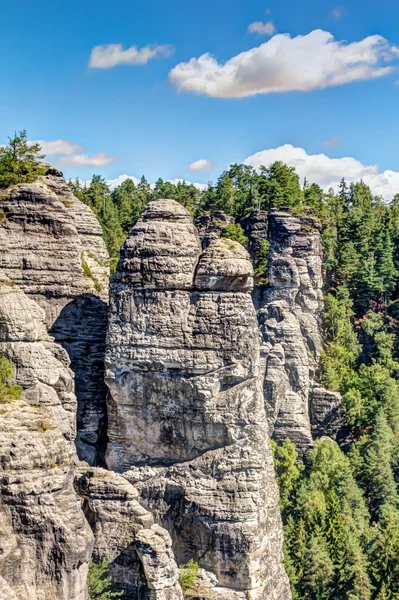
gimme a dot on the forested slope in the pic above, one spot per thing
(341, 510)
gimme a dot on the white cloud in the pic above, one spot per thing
(199, 186)
(262, 28)
(113, 183)
(99, 159)
(111, 55)
(68, 153)
(202, 164)
(58, 147)
(327, 172)
(283, 64)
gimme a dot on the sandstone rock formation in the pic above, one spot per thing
(142, 564)
(210, 226)
(51, 248)
(45, 541)
(186, 417)
(289, 312)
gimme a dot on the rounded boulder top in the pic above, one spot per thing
(224, 266)
(166, 210)
(162, 249)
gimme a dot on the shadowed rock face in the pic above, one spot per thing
(45, 541)
(142, 564)
(51, 248)
(289, 312)
(187, 424)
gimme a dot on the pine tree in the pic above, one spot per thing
(99, 581)
(20, 162)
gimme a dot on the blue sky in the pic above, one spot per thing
(160, 117)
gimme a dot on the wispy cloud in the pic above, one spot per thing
(334, 142)
(58, 147)
(111, 55)
(283, 64)
(202, 164)
(66, 153)
(99, 159)
(262, 28)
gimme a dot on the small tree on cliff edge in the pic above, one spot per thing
(20, 161)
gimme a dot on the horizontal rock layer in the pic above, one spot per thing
(289, 311)
(187, 424)
(51, 248)
(45, 541)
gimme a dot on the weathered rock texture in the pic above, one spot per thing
(45, 541)
(186, 415)
(210, 226)
(142, 564)
(51, 248)
(289, 312)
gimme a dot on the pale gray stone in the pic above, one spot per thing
(51, 248)
(45, 541)
(187, 423)
(142, 564)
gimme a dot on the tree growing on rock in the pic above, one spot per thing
(20, 162)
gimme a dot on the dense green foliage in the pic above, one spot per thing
(341, 509)
(235, 232)
(188, 575)
(99, 581)
(9, 391)
(19, 161)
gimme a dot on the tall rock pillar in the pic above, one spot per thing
(186, 418)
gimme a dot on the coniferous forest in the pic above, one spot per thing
(341, 508)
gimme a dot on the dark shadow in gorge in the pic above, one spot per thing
(81, 329)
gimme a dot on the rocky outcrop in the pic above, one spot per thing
(289, 311)
(210, 225)
(51, 248)
(142, 564)
(45, 541)
(328, 416)
(187, 425)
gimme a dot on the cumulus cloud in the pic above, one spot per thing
(111, 55)
(283, 64)
(262, 28)
(334, 142)
(202, 164)
(58, 147)
(327, 172)
(99, 159)
(113, 183)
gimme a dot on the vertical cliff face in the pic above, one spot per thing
(51, 248)
(289, 315)
(187, 424)
(142, 564)
(45, 541)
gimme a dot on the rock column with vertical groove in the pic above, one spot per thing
(187, 423)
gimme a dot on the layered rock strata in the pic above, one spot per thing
(186, 417)
(289, 315)
(51, 248)
(142, 564)
(45, 541)
(210, 225)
